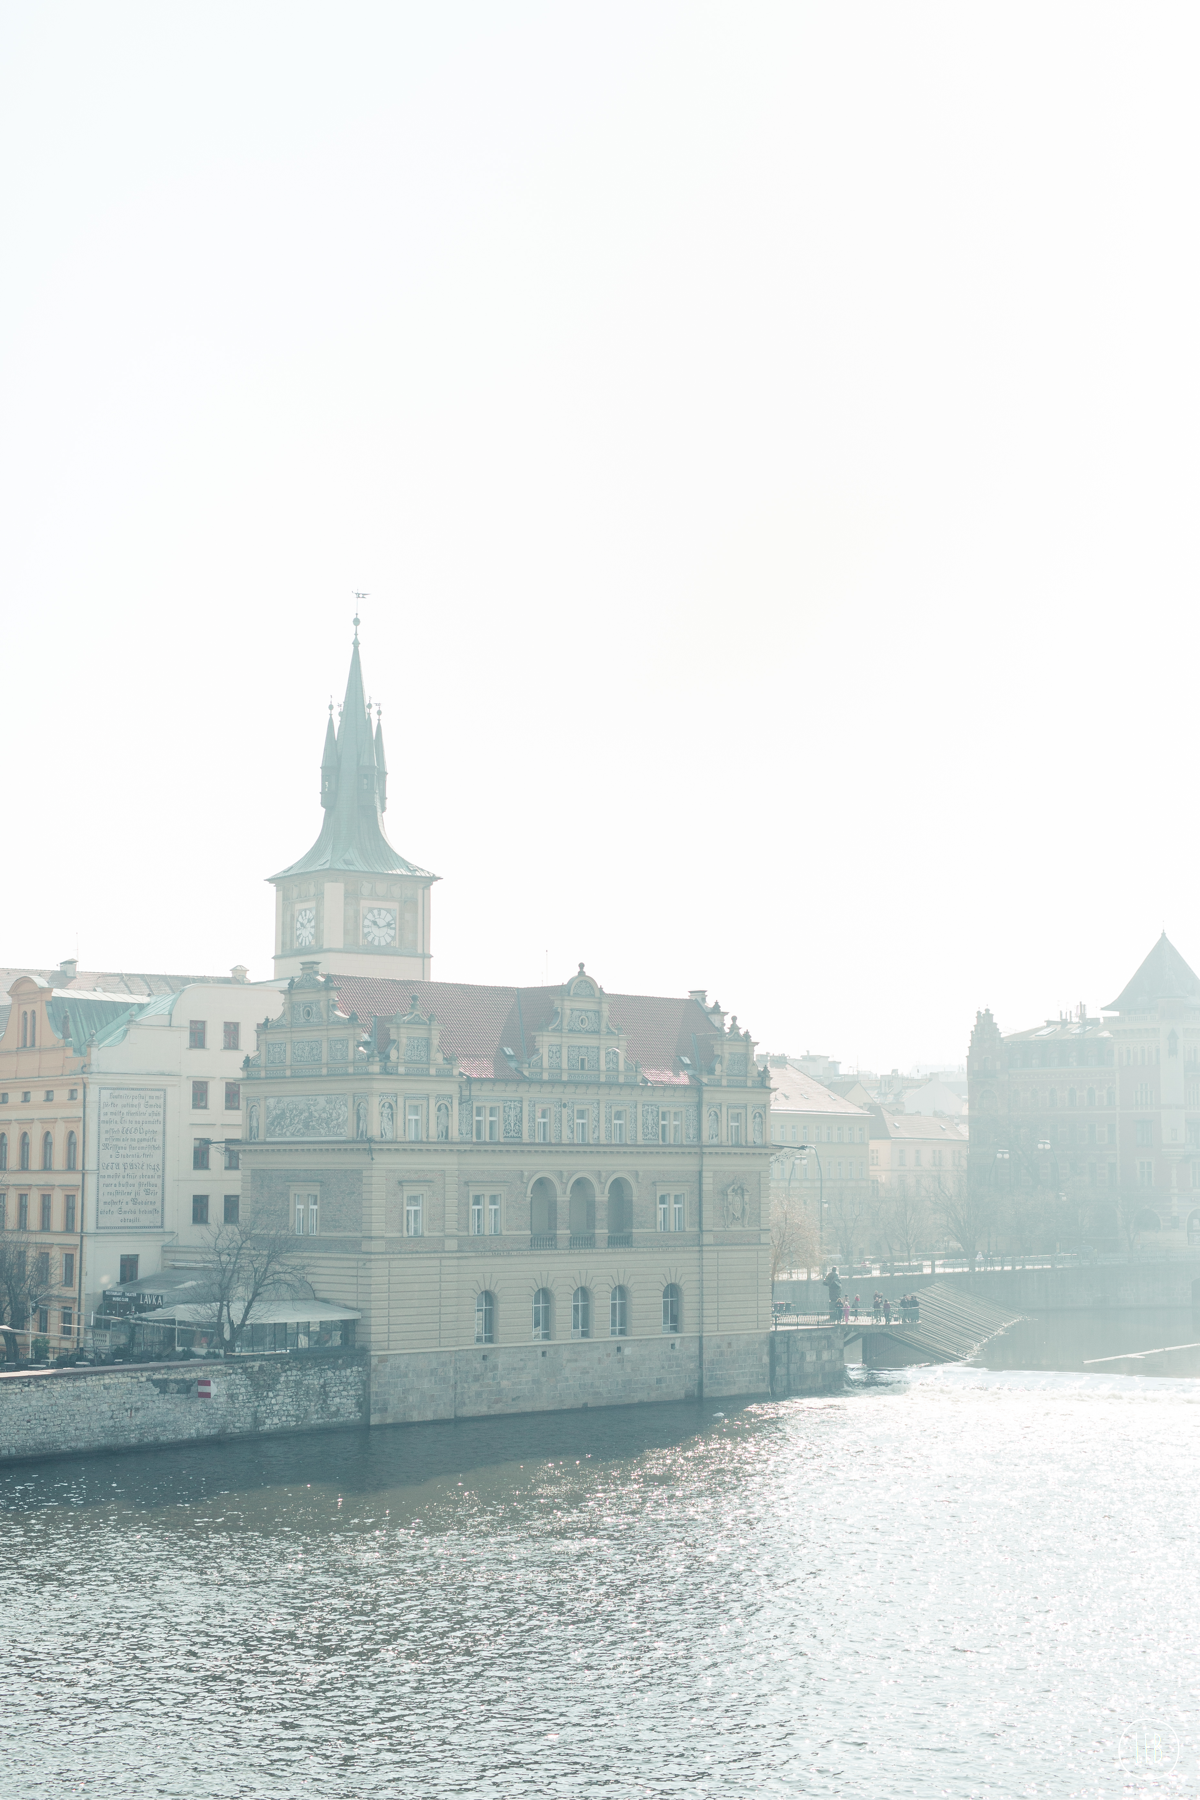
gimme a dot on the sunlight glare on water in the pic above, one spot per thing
(952, 1582)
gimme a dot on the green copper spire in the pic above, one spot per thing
(353, 793)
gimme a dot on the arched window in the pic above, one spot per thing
(47, 1151)
(3, 1149)
(541, 1314)
(618, 1309)
(72, 1149)
(581, 1313)
(620, 1210)
(33, 1031)
(24, 1149)
(24, 1031)
(443, 1122)
(543, 1213)
(582, 1213)
(757, 1128)
(671, 1299)
(485, 1318)
(714, 1125)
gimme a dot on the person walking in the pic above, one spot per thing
(855, 1311)
(845, 1312)
(887, 1312)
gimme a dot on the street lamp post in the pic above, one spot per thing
(803, 1150)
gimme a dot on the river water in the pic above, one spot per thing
(964, 1581)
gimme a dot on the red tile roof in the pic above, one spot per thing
(477, 1021)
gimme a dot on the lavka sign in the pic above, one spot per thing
(129, 1185)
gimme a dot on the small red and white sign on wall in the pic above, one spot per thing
(204, 1388)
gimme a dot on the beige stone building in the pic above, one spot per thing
(819, 1155)
(532, 1197)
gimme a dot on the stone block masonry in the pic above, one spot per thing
(410, 1387)
(64, 1412)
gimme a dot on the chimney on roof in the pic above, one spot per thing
(700, 994)
(67, 968)
(239, 972)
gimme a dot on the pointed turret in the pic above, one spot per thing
(329, 764)
(352, 903)
(353, 793)
(380, 761)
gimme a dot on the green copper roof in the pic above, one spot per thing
(354, 795)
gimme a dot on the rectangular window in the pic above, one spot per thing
(41, 1269)
(493, 1132)
(619, 1125)
(199, 1153)
(543, 1124)
(670, 1127)
(45, 1212)
(493, 1215)
(68, 1279)
(308, 1214)
(195, 1034)
(414, 1208)
(776, 1133)
(581, 1124)
(69, 1213)
(22, 1212)
(670, 1212)
(795, 1139)
(901, 1158)
(1143, 1131)
(916, 1159)
(233, 1158)
(232, 1034)
(480, 1123)
(735, 1127)
(43, 1320)
(476, 1215)
(199, 1096)
(68, 1322)
(414, 1118)
(233, 1096)
(199, 1209)
(874, 1159)
(231, 1205)
(127, 1269)
(49, 1093)
(1146, 1174)
(72, 1095)
(677, 1212)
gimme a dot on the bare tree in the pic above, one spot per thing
(793, 1238)
(250, 1268)
(24, 1278)
(903, 1220)
(964, 1207)
(849, 1205)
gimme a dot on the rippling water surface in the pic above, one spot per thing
(953, 1582)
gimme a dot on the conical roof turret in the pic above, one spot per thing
(353, 793)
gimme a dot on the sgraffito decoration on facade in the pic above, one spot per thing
(649, 1124)
(308, 1116)
(306, 1050)
(554, 1056)
(736, 1062)
(612, 1061)
(691, 1124)
(513, 1120)
(736, 1206)
(339, 1050)
(276, 1053)
(416, 1050)
(130, 1158)
(584, 1057)
(583, 1019)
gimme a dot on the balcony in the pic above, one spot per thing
(620, 1240)
(583, 1240)
(544, 1241)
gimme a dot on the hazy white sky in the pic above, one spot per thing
(768, 436)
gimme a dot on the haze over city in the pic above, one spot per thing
(763, 435)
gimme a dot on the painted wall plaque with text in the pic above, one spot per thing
(131, 1158)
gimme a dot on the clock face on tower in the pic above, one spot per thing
(306, 926)
(379, 925)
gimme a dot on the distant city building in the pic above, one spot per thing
(1094, 1121)
(115, 1114)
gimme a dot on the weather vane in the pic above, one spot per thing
(358, 596)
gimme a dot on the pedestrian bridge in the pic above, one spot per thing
(951, 1326)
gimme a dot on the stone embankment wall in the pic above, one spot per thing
(62, 1412)
(1174, 1283)
(412, 1386)
(807, 1362)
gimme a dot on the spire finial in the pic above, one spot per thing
(357, 620)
